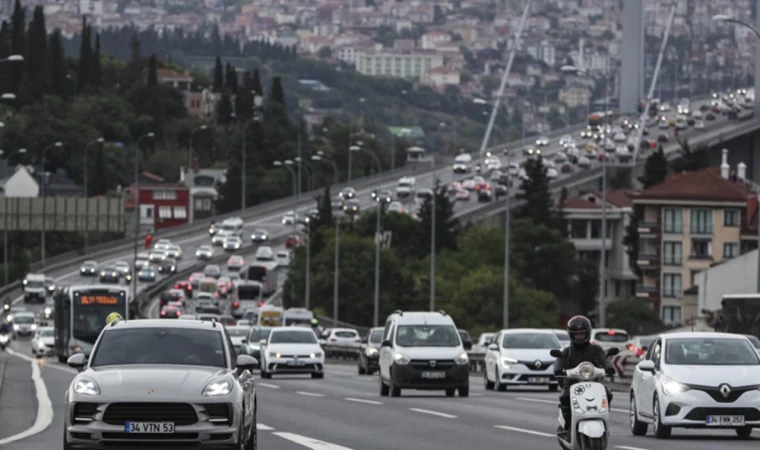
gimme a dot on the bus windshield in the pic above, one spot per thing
(90, 320)
(288, 321)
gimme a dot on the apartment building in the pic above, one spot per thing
(688, 223)
(584, 217)
(400, 64)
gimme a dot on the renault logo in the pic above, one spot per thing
(432, 363)
(725, 390)
(537, 364)
(150, 391)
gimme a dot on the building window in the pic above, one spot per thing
(731, 217)
(203, 204)
(671, 285)
(164, 212)
(180, 212)
(701, 249)
(672, 253)
(596, 229)
(673, 220)
(701, 221)
(578, 229)
(671, 315)
(730, 250)
(164, 195)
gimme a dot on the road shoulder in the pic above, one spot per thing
(18, 401)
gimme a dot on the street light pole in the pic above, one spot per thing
(603, 255)
(336, 269)
(87, 193)
(432, 237)
(136, 193)
(190, 147)
(507, 246)
(20, 151)
(44, 202)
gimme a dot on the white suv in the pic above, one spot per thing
(423, 351)
(35, 288)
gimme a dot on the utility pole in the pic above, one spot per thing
(603, 256)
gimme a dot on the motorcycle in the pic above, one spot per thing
(589, 405)
(3, 341)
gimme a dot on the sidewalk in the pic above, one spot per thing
(18, 399)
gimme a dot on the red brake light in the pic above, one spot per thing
(236, 304)
(629, 347)
(261, 304)
(612, 332)
(179, 313)
(163, 313)
(333, 340)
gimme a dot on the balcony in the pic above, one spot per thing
(649, 228)
(648, 260)
(647, 292)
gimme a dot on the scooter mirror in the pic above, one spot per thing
(555, 352)
(613, 351)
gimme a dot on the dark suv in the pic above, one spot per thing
(369, 353)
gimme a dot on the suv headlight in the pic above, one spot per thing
(400, 359)
(86, 386)
(672, 387)
(371, 351)
(506, 362)
(315, 355)
(462, 359)
(217, 388)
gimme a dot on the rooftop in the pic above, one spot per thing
(701, 185)
(622, 198)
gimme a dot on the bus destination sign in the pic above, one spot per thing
(99, 299)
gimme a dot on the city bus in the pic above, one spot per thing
(80, 314)
(264, 273)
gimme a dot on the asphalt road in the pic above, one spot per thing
(344, 411)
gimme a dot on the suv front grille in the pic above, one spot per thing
(179, 413)
(437, 364)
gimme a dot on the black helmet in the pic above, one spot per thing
(579, 328)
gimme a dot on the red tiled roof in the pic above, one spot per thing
(580, 203)
(622, 198)
(701, 185)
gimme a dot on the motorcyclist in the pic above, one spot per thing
(315, 326)
(6, 328)
(477, 167)
(580, 350)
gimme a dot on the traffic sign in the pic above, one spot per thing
(384, 239)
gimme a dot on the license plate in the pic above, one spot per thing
(149, 427)
(296, 363)
(538, 380)
(434, 375)
(724, 421)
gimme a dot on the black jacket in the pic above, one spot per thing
(6, 328)
(572, 357)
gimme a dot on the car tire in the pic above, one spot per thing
(395, 391)
(66, 445)
(252, 442)
(384, 389)
(743, 432)
(318, 376)
(553, 387)
(498, 385)
(638, 428)
(266, 375)
(464, 391)
(660, 431)
(487, 384)
(451, 392)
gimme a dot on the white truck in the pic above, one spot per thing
(462, 163)
(405, 187)
(297, 317)
(35, 288)
(230, 227)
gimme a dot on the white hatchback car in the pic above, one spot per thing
(520, 357)
(696, 380)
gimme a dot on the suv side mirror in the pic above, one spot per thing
(555, 352)
(467, 345)
(77, 361)
(263, 342)
(246, 362)
(493, 346)
(646, 366)
(386, 343)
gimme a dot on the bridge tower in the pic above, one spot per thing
(632, 68)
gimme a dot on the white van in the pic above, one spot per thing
(35, 288)
(405, 187)
(462, 163)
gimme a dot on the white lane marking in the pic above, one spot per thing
(262, 427)
(624, 447)
(475, 395)
(523, 430)
(270, 386)
(309, 394)
(553, 402)
(44, 405)
(433, 413)
(308, 442)
(362, 400)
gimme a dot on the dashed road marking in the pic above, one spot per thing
(525, 431)
(262, 427)
(270, 386)
(624, 447)
(362, 400)
(433, 413)
(309, 394)
(313, 444)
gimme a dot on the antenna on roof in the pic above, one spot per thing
(442, 312)
(399, 312)
(213, 322)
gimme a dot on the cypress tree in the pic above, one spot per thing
(230, 79)
(152, 71)
(224, 109)
(83, 75)
(278, 93)
(5, 50)
(257, 88)
(56, 65)
(18, 44)
(35, 55)
(97, 71)
(218, 75)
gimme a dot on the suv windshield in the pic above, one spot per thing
(530, 341)
(171, 346)
(46, 332)
(34, 284)
(427, 336)
(755, 341)
(258, 334)
(23, 319)
(710, 352)
(293, 337)
(376, 337)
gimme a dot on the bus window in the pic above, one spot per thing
(257, 273)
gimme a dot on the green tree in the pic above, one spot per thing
(586, 287)
(18, 43)
(231, 79)
(152, 78)
(277, 95)
(256, 84)
(446, 226)
(35, 55)
(534, 191)
(631, 240)
(218, 75)
(635, 316)
(96, 71)
(691, 159)
(56, 65)
(85, 57)
(324, 52)
(224, 109)
(655, 169)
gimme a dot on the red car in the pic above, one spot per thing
(293, 241)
